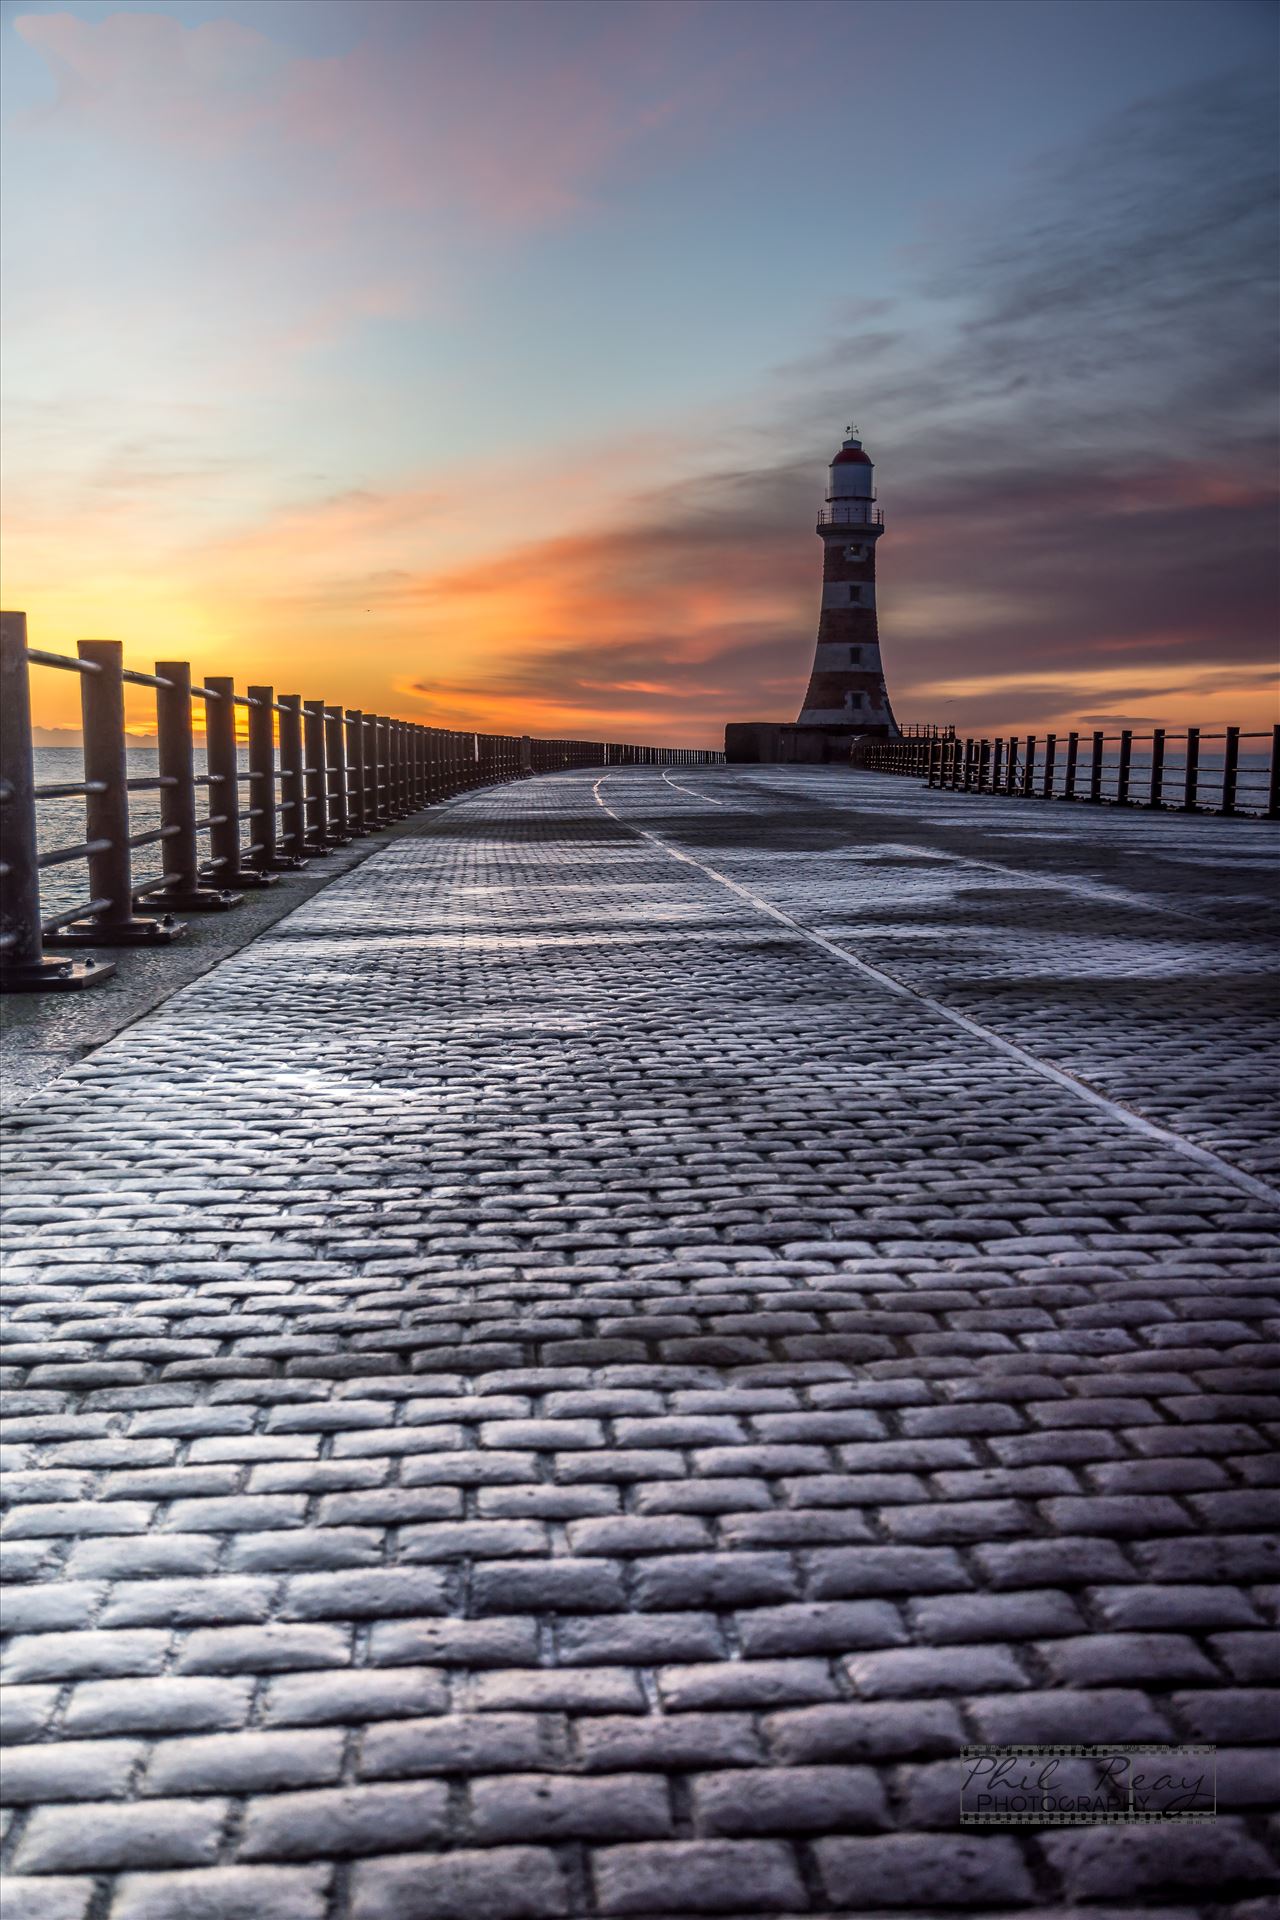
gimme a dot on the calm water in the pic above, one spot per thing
(60, 823)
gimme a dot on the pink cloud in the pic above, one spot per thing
(517, 135)
(146, 76)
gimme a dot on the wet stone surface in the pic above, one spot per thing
(535, 1389)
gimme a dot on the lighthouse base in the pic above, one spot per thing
(779, 743)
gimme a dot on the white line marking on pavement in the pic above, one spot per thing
(1045, 1068)
(705, 797)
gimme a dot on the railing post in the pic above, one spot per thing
(997, 761)
(1230, 769)
(1095, 771)
(178, 798)
(393, 805)
(262, 779)
(1155, 797)
(419, 767)
(1029, 768)
(398, 799)
(1273, 783)
(1069, 776)
(335, 759)
(411, 757)
(315, 777)
(293, 792)
(1122, 771)
(402, 762)
(1050, 756)
(382, 731)
(265, 818)
(354, 719)
(107, 814)
(1191, 784)
(369, 758)
(23, 966)
(223, 757)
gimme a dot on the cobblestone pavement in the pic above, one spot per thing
(572, 1375)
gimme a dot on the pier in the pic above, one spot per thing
(575, 1372)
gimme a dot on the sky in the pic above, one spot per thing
(480, 363)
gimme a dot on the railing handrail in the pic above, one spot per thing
(319, 774)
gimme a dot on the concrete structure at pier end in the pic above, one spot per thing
(847, 699)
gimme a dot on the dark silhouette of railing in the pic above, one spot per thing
(1196, 771)
(851, 513)
(318, 777)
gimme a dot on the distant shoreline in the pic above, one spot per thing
(73, 737)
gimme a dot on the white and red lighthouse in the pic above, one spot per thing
(847, 699)
(846, 688)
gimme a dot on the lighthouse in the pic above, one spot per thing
(846, 687)
(847, 699)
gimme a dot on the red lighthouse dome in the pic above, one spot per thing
(851, 473)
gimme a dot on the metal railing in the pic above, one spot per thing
(854, 513)
(317, 777)
(1196, 771)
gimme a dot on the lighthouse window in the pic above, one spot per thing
(855, 596)
(855, 656)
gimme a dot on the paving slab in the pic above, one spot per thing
(572, 1374)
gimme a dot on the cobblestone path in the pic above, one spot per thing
(574, 1374)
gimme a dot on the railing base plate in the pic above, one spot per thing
(55, 976)
(124, 933)
(251, 881)
(198, 900)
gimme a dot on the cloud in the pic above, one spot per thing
(492, 112)
(1064, 405)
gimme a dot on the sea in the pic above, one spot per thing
(61, 823)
